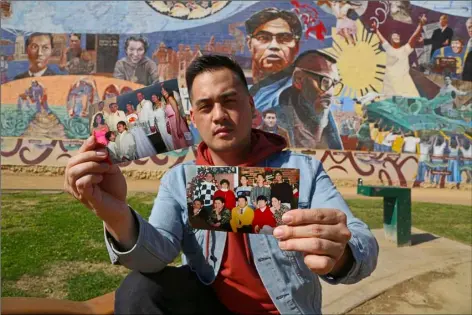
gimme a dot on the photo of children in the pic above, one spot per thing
(142, 123)
(240, 199)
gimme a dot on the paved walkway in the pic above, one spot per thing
(395, 265)
(445, 196)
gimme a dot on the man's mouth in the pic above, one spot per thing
(273, 57)
(222, 131)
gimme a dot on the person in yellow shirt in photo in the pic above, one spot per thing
(242, 216)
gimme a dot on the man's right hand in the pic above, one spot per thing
(102, 188)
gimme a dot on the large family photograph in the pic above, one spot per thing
(240, 199)
(142, 123)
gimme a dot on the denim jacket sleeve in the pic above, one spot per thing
(363, 244)
(159, 240)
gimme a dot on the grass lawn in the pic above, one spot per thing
(52, 246)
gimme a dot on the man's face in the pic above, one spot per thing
(270, 120)
(261, 204)
(443, 21)
(318, 89)
(272, 53)
(243, 180)
(135, 51)
(140, 96)
(113, 108)
(39, 51)
(278, 178)
(456, 46)
(120, 128)
(74, 42)
(221, 106)
(101, 105)
(218, 205)
(197, 205)
(209, 178)
(260, 179)
(112, 137)
(242, 202)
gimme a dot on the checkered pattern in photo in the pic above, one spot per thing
(205, 192)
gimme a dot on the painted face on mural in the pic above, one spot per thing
(270, 120)
(396, 39)
(443, 20)
(221, 108)
(273, 46)
(135, 51)
(468, 25)
(39, 51)
(317, 80)
(456, 46)
(74, 42)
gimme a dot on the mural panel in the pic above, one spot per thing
(382, 76)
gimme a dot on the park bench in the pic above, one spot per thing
(396, 211)
(103, 305)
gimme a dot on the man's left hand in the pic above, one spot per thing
(320, 234)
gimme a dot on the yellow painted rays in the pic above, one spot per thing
(362, 67)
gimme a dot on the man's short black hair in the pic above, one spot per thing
(270, 14)
(108, 135)
(208, 63)
(37, 34)
(269, 111)
(242, 197)
(220, 199)
(262, 197)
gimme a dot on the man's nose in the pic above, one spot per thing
(274, 44)
(219, 113)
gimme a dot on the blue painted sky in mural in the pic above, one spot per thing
(115, 17)
(458, 8)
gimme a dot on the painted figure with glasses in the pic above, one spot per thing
(305, 107)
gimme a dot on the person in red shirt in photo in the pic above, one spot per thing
(264, 221)
(227, 194)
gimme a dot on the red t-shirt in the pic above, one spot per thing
(263, 218)
(230, 198)
(238, 285)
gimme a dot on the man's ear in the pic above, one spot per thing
(192, 118)
(297, 78)
(248, 42)
(253, 105)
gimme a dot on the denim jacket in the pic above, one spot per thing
(293, 287)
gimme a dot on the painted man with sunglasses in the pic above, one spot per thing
(305, 107)
(300, 96)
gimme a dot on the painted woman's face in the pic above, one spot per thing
(135, 51)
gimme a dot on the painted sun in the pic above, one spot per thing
(362, 67)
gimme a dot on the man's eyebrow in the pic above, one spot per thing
(223, 95)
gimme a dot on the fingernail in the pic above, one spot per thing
(287, 218)
(282, 245)
(278, 232)
(102, 152)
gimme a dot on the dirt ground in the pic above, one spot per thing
(22, 181)
(445, 291)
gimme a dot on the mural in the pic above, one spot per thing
(384, 77)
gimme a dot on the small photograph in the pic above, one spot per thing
(142, 123)
(240, 199)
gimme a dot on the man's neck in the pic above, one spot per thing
(231, 158)
(34, 69)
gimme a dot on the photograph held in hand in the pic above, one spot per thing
(240, 199)
(142, 123)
